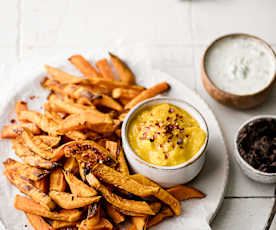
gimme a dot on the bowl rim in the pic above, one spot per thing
(203, 61)
(169, 100)
(237, 153)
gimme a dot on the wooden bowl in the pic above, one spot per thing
(234, 100)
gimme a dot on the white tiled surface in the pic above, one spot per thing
(175, 33)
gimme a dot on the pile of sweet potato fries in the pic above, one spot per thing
(74, 171)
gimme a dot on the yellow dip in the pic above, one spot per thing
(165, 135)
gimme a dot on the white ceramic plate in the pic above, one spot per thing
(212, 180)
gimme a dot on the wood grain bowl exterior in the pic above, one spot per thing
(232, 100)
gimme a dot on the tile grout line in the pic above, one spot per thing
(272, 214)
(18, 30)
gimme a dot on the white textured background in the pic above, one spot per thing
(175, 32)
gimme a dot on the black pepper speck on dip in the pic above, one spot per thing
(256, 144)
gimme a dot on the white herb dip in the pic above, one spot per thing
(240, 65)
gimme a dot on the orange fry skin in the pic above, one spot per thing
(38, 223)
(122, 69)
(105, 69)
(149, 93)
(84, 66)
(14, 130)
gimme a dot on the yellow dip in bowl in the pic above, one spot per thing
(165, 135)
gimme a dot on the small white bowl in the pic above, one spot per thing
(248, 170)
(166, 176)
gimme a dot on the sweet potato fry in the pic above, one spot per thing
(115, 215)
(108, 102)
(70, 201)
(77, 187)
(117, 201)
(43, 122)
(24, 170)
(93, 217)
(57, 181)
(125, 93)
(42, 185)
(184, 192)
(162, 194)
(25, 186)
(71, 165)
(105, 69)
(62, 77)
(131, 227)
(47, 140)
(20, 106)
(30, 206)
(37, 161)
(121, 181)
(164, 213)
(95, 121)
(140, 222)
(29, 157)
(122, 163)
(59, 105)
(112, 147)
(146, 94)
(124, 101)
(84, 66)
(122, 69)
(41, 149)
(103, 224)
(111, 84)
(57, 224)
(86, 151)
(38, 223)
(82, 170)
(14, 130)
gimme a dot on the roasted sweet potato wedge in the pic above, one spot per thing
(122, 69)
(125, 93)
(84, 66)
(42, 185)
(20, 106)
(93, 120)
(24, 170)
(38, 223)
(43, 122)
(70, 201)
(26, 187)
(87, 151)
(14, 130)
(103, 224)
(162, 194)
(184, 192)
(30, 206)
(164, 213)
(57, 224)
(77, 187)
(57, 181)
(62, 77)
(105, 69)
(115, 215)
(121, 181)
(117, 201)
(59, 105)
(71, 165)
(140, 222)
(111, 84)
(151, 92)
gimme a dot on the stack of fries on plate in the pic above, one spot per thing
(74, 170)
